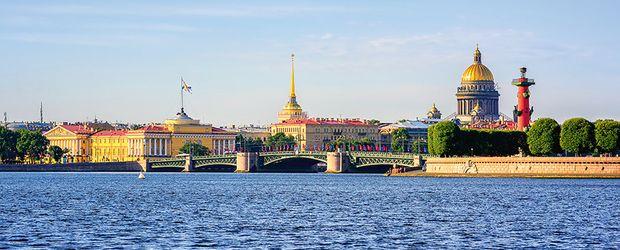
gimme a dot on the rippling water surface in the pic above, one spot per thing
(94, 210)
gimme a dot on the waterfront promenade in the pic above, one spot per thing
(532, 167)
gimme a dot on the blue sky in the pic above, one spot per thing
(389, 60)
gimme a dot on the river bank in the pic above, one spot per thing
(132, 166)
(520, 167)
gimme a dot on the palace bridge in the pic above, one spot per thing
(244, 162)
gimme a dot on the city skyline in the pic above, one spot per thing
(123, 62)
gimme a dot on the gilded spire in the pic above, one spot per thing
(292, 75)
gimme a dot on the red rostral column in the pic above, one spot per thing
(523, 111)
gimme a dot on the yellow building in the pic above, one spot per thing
(316, 132)
(152, 141)
(75, 139)
(292, 110)
(110, 145)
(165, 140)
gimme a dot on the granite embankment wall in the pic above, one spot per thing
(74, 167)
(577, 167)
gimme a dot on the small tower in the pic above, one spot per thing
(523, 111)
(41, 112)
(433, 113)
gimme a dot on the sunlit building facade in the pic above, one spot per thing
(87, 143)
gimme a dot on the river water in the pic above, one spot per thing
(96, 210)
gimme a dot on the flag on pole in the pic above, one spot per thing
(186, 86)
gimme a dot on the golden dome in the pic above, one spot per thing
(477, 71)
(292, 105)
(433, 109)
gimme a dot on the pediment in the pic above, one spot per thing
(59, 131)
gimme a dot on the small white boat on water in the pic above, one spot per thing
(141, 175)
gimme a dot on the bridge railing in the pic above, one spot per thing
(293, 152)
(167, 159)
(214, 156)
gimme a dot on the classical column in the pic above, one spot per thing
(165, 146)
(161, 146)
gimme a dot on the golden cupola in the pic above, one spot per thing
(477, 72)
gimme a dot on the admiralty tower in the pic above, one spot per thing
(292, 110)
(477, 98)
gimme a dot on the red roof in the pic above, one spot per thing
(320, 121)
(505, 125)
(153, 128)
(79, 129)
(111, 133)
(221, 131)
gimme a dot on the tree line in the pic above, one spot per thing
(576, 136)
(26, 146)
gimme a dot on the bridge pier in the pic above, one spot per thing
(247, 162)
(337, 162)
(189, 164)
(145, 165)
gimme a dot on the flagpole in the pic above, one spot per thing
(181, 95)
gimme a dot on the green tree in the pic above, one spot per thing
(607, 135)
(135, 126)
(194, 149)
(429, 135)
(543, 138)
(577, 136)
(445, 138)
(400, 139)
(56, 153)
(280, 139)
(253, 145)
(8, 144)
(374, 122)
(31, 144)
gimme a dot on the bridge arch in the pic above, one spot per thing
(269, 161)
(292, 163)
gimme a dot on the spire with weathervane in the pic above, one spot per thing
(292, 110)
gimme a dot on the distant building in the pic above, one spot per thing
(317, 132)
(433, 113)
(416, 129)
(32, 126)
(253, 132)
(100, 142)
(502, 123)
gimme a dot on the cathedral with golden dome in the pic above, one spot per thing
(477, 98)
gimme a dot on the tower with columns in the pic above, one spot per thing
(477, 89)
(523, 112)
